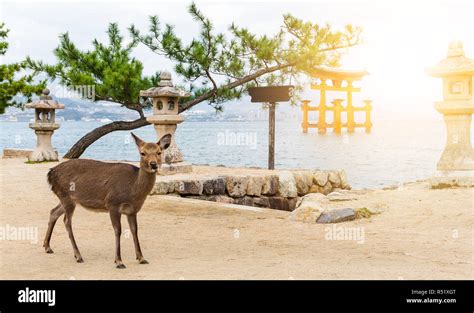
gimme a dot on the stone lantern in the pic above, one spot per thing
(165, 119)
(456, 165)
(44, 126)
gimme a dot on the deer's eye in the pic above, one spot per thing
(142, 153)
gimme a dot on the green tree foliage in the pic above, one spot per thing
(12, 84)
(220, 67)
(110, 68)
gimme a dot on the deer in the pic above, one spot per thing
(116, 188)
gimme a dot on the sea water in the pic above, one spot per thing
(393, 153)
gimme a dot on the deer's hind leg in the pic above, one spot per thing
(69, 207)
(53, 217)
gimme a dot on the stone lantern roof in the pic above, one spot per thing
(45, 102)
(455, 63)
(164, 88)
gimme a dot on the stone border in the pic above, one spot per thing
(280, 190)
(10, 153)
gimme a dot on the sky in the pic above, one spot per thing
(400, 38)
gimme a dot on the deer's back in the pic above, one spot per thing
(92, 183)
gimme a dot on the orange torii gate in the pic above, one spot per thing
(341, 81)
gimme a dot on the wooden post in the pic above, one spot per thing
(368, 121)
(322, 108)
(304, 107)
(271, 136)
(350, 108)
(337, 115)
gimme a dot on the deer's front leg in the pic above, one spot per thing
(115, 216)
(132, 222)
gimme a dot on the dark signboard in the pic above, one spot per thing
(271, 93)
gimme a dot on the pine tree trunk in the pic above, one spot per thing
(82, 144)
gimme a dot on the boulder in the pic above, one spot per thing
(334, 179)
(270, 185)
(309, 208)
(246, 200)
(340, 196)
(337, 216)
(306, 214)
(221, 199)
(326, 188)
(304, 181)
(190, 187)
(320, 178)
(281, 203)
(214, 186)
(237, 186)
(160, 188)
(254, 188)
(313, 198)
(315, 189)
(344, 182)
(287, 185)
(261, 202)
(173, 186)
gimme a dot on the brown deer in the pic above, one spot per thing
(117, 188)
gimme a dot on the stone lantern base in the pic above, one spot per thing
(447, 179)
(44, 151)
(455, 168)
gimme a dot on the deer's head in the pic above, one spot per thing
(150, 152)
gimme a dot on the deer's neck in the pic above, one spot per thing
(144, 183)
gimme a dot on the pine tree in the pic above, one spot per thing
(11, 87)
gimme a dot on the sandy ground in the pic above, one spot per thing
(422, 234)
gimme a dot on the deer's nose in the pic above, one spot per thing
(153, 165)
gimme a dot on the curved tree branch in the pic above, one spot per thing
(82, 144)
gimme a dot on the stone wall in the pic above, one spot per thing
(277, 191)
(16, 153)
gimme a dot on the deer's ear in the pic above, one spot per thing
(138, 141)
(165, 142)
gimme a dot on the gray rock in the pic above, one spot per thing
(337, 216)
(249, 201)
(261, 201)
(281, 203)
(237, 186)
(190, 187)
(287, 185)
(215, 186)
(254, 188)
(270, 185)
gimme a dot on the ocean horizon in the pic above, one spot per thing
(393, 153)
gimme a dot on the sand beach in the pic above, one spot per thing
(421, 233)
